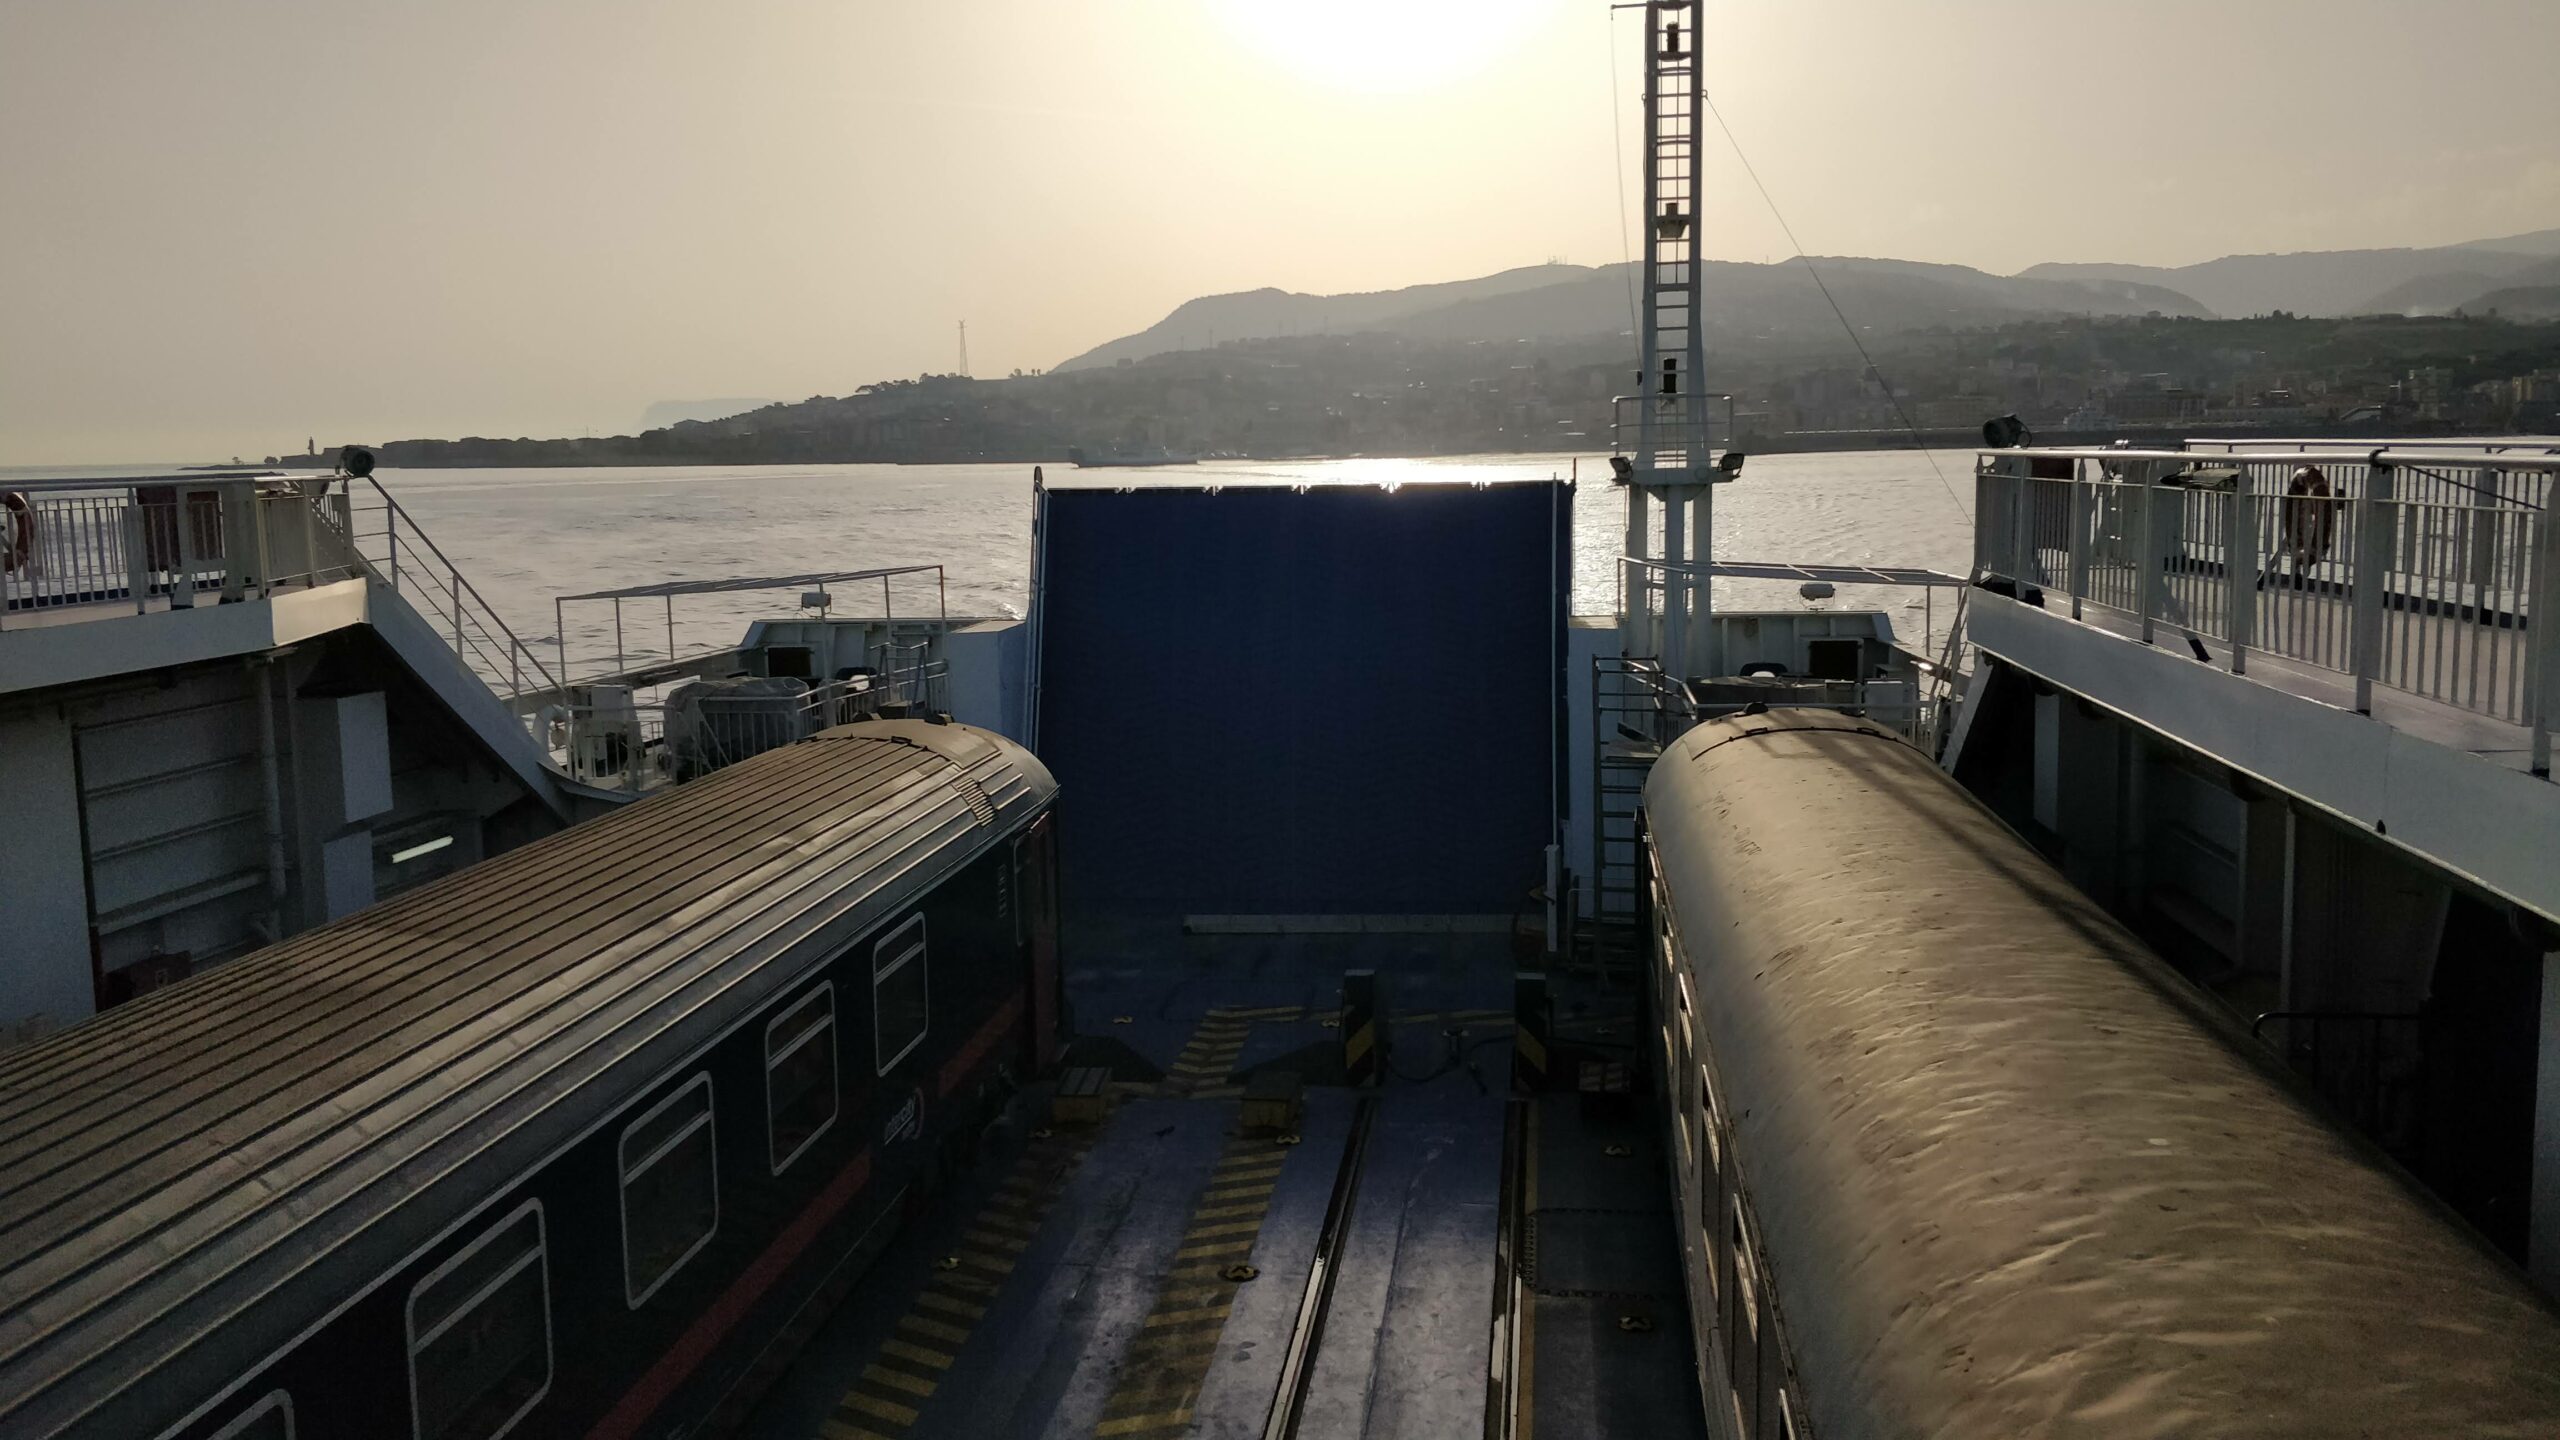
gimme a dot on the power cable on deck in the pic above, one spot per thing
(1846, 328)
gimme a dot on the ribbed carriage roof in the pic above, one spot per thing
(201, 1152)
(2012, 1175)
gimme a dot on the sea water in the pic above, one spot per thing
(525, 537)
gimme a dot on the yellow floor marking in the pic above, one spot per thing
(933, 1329)
(1232, 1227)
(1198, 1335)
(1156, 1391)
(889, 1410)
(1223, 1212)
(993, 1264)
(897, 1380)
(835, 1429)
(1195, 1294)
(1259, 1164)
(918, 1353)
(1184, 1317)
(992, 1240)
(1225, 1190)
(1139, 1424)
(951, 1305)
(1222, 1247)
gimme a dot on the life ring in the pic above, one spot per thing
(17, 553)
(2310, 516)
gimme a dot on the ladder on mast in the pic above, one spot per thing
(1664, 608)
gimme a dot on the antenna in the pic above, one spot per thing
(964, 348)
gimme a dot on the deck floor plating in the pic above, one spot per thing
(1095, 1303)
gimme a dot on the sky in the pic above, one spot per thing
(233, 224)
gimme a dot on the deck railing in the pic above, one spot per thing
(79, 548)
(402, 556)
(2420, 571)
(74, 549)
(639, 745)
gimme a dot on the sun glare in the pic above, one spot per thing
(1382, 46)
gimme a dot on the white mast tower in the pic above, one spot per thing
(1672, 471)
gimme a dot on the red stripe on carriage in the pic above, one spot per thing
(715, 1323)
(955, 1071)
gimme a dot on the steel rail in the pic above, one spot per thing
(1297, 1366)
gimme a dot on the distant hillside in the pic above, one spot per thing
(675, 412)
(2539, 242)
(2464, 290)
(1554, 302)
(2524, 302)
(1257, 314)
(2333, 282)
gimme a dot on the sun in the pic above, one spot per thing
(1382, 46)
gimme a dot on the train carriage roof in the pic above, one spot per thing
(251, 1147)
(2011, 1174)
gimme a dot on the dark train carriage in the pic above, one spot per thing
(1957, 1156)
(556, 1146)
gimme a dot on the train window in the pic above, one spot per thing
(270, 1419)
(480, 1334)
(1707, 1121)
(800, 1075)
(899, 1004)
(670, 1188)
(1744, 1287)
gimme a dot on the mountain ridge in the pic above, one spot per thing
(1557, 301)
(1771, 302)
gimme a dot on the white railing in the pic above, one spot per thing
(82, 549)
(401, 556)
(2417, 570)
(636, 746)
(76, 549)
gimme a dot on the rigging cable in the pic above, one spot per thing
(1618, 152)
(1850, 330)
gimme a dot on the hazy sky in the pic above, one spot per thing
(229, 224)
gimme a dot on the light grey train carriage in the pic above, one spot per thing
(1957, 1156)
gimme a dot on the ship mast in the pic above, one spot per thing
(1672, 472)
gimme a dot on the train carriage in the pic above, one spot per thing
(555, 1146)
(1957, 1156)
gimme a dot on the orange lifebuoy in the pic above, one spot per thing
(17, 552)
(2310, 516)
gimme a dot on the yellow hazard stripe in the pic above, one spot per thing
(872, 1405)
(898, 1380)
(1357, 1045)
(1141, 1424)
(921, 1355)
(1530, 1048)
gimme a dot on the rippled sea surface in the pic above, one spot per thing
(525, 537)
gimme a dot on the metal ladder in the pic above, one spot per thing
(1630, 724)
(1673, 439)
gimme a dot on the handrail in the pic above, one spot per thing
(127, 482)
(2418, 571)
(489, 620)
(2385, 455)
